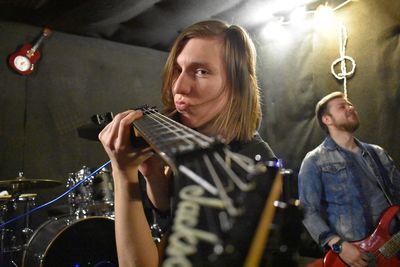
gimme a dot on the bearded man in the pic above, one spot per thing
(344, 184)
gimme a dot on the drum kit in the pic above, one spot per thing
(83, 236)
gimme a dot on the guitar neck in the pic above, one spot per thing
(168, 137)
(391, 247)
(46, 32)
(35, 47)
(222, 201)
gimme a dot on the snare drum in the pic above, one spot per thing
(81, 196)
(103, 187)
(102, 194)
(95, 196)
(67, 241)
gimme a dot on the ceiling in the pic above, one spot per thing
(147, 23)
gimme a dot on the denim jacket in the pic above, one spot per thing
(330, 191)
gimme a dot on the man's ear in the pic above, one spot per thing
(326, 118)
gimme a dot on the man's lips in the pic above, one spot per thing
(351, 114)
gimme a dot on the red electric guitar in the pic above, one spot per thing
(380, 246)
(23, 60)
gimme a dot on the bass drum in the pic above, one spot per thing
(67, 241)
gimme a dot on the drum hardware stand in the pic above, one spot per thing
(79, 207)
(15, 245)
(18, 186)
(11, 205)
(28, 231)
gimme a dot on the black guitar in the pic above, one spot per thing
(224, 201)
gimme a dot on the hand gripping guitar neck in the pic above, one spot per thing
(223, 204)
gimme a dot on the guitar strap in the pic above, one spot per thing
(384, 181)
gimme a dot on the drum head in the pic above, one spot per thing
(86, 242)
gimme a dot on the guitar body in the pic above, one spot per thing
(23, 60)
(372, 244)
(223, 202)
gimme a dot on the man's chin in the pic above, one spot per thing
(352, 127)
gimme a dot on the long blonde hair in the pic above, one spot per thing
(241, 118)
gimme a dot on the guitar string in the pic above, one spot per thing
(167, 121)
(176, 125)
(164, 127)
(390, 248)
(206, 142)
(240, 184)
(174, 128)
(205, 139)
(3, 224)
(160, 117)
(394, 244)
(172, 132)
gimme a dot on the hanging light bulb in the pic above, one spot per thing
(298, 15)
(323, 16)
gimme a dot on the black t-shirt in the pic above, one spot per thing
(257, 146)
(256, 149)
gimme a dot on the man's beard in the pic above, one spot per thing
(348, 126)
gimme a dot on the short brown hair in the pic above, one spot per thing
(241, 118)
(322, 106)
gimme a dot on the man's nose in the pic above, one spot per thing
(351, 108)
(183, 84)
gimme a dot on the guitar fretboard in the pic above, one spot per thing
(169, 137)
(391, 247)
(221, 199)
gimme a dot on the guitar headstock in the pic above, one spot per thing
(223, 210)
(223, 201)
(46, 32)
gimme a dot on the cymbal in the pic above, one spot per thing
(21, 183)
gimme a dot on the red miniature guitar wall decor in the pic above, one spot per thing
(23, 60)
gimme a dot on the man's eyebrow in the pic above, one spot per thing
(196, 64)
(199, 64)
(345, 101)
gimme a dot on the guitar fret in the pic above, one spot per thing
(175, 127)
(391, 247)
(169, 136)
(170, 141)
(164, 134)
(213, 195)
(167, 139)
(202, 138)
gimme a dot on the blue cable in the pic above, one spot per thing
(55, 199)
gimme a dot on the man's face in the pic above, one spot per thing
(343, 115)
(199, 83)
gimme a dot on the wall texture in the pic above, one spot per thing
(75, 78)
(295, 73)
(78, 77)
